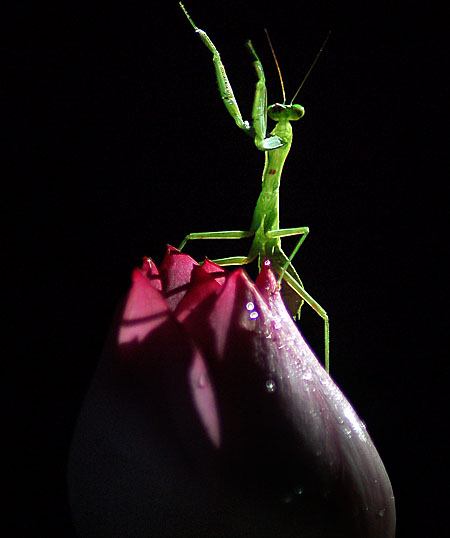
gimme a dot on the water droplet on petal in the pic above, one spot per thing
(271, 386)
(380, 513)
(251, 308)
(202, 381)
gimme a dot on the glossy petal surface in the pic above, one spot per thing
(209, 415)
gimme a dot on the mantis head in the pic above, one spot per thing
(279, 112)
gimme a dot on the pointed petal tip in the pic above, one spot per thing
(266, 282)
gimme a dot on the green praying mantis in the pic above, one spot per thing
(265, 228)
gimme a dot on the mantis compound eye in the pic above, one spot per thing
(277, 111)
(297, 112)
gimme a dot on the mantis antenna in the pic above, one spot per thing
(278, 67)
(307, 74)
(312, 65)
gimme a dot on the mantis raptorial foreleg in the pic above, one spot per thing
(259, 114)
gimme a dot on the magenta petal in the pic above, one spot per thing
(203, 285)
(221, 318)
(213, 417)
(145, 309)
(147, 429)
(175, 271)
(150, 270)
(337, 436)
(218, 271)
(204, 397)
(284, 417)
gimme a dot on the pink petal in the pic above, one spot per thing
(145, 309)
(284, 417)
(147, 429)
(150, 270)
(202, 285)
(175, 271)
(204, 397)
(217, 270)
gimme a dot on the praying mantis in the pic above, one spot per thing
(265, 228)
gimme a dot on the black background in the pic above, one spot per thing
(119, 144)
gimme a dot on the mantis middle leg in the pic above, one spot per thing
(230, 234)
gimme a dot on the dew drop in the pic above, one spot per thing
(201, 381)
(271, 385)
(251, 308)
(380, 513)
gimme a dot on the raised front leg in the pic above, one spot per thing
(226, 92)
(259, 114)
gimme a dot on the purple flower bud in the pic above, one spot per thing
(209, 415)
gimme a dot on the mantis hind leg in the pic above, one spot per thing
(282, 265)
(282, 259)
(286, 232)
